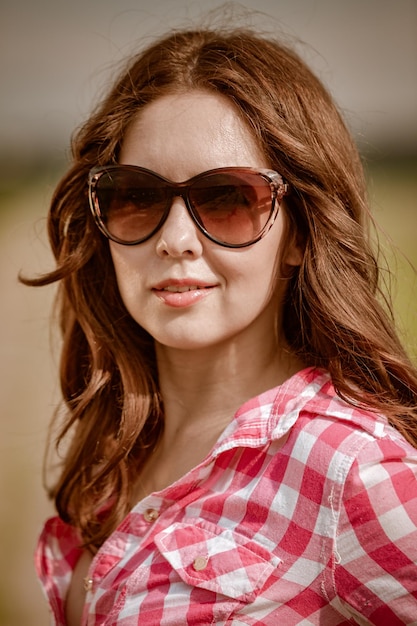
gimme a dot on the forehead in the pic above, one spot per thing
(195, 131)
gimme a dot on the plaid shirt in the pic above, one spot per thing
(320, 529)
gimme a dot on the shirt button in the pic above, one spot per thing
(151, 515)
(88, 584)
(200, 563)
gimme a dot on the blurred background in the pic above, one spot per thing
(56, 58)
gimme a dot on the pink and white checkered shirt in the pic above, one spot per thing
(320, 530)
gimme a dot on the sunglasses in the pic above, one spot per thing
(232, 206)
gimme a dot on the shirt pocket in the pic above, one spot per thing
(219, 560)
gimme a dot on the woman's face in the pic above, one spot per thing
(185, 290)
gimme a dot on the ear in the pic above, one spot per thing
(294, 253)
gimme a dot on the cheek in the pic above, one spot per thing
(127, 269)
(266, 269)
(256, 274)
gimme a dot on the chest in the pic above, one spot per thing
(217, 547)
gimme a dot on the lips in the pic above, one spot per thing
(182, 293)
(182, 288)
(182, 284)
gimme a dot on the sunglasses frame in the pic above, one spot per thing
(279, 188)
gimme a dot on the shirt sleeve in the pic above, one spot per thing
(57, 552)
(376, 545)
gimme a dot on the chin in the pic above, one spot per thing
(186, 343)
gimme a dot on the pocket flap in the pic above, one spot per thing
(216, 559)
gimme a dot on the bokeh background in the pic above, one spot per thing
(56, 57)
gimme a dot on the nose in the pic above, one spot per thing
(179, 235)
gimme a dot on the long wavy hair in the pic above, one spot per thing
(335, 314)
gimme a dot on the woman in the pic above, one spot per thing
(242, 416)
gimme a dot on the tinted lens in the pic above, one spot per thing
(233, 208)
(131, 203)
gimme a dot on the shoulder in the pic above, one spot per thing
(58, 547)
(340, 441)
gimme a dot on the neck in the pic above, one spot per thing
(207, 386)
(202, 390)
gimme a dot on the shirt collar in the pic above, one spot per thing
(272, 414)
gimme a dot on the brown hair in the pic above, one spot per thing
(333, 315)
